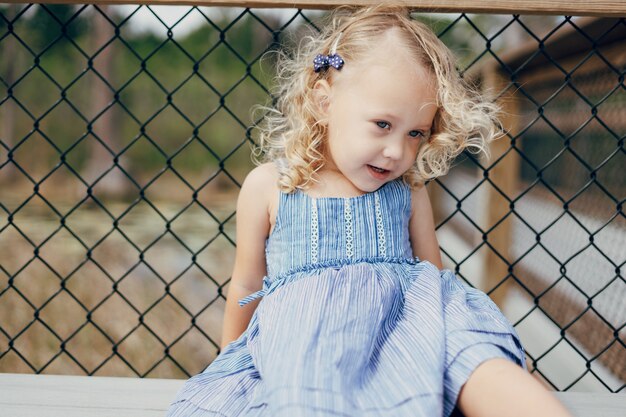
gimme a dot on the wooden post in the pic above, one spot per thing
(435, 195)
(505, 175)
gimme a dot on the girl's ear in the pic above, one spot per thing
(321, 94)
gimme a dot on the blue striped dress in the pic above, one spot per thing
(351, 323)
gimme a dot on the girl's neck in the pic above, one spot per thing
(332, 183)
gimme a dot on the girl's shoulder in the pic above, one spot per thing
(264, 174)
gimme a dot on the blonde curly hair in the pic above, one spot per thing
(293, 131)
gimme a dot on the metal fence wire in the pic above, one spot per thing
(122, 150)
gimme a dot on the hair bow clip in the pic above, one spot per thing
(322, 62)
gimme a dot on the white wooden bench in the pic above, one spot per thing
(25, 395)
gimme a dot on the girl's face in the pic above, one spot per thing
(380, 110)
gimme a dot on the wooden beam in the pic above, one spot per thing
(614, 8)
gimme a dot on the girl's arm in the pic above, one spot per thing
(252, 229)
(500, 388)
(422, 228)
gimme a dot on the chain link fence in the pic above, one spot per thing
(125, 132)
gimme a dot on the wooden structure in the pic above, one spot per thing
(535, 69)
(79, 396)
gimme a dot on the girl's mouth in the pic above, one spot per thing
(378, 173)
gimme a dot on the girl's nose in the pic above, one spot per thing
(393, 150)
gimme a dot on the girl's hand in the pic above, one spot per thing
(500, 388)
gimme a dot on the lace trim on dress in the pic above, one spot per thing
(314, 231)
(382, 244)
(347, 215)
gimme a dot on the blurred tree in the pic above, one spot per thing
(7, 113)
(100, 158)
(53, 20)
(33, 36)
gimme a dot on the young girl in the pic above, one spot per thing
(338, 304)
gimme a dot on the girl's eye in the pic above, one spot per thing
(424, 134)
(383, 125)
